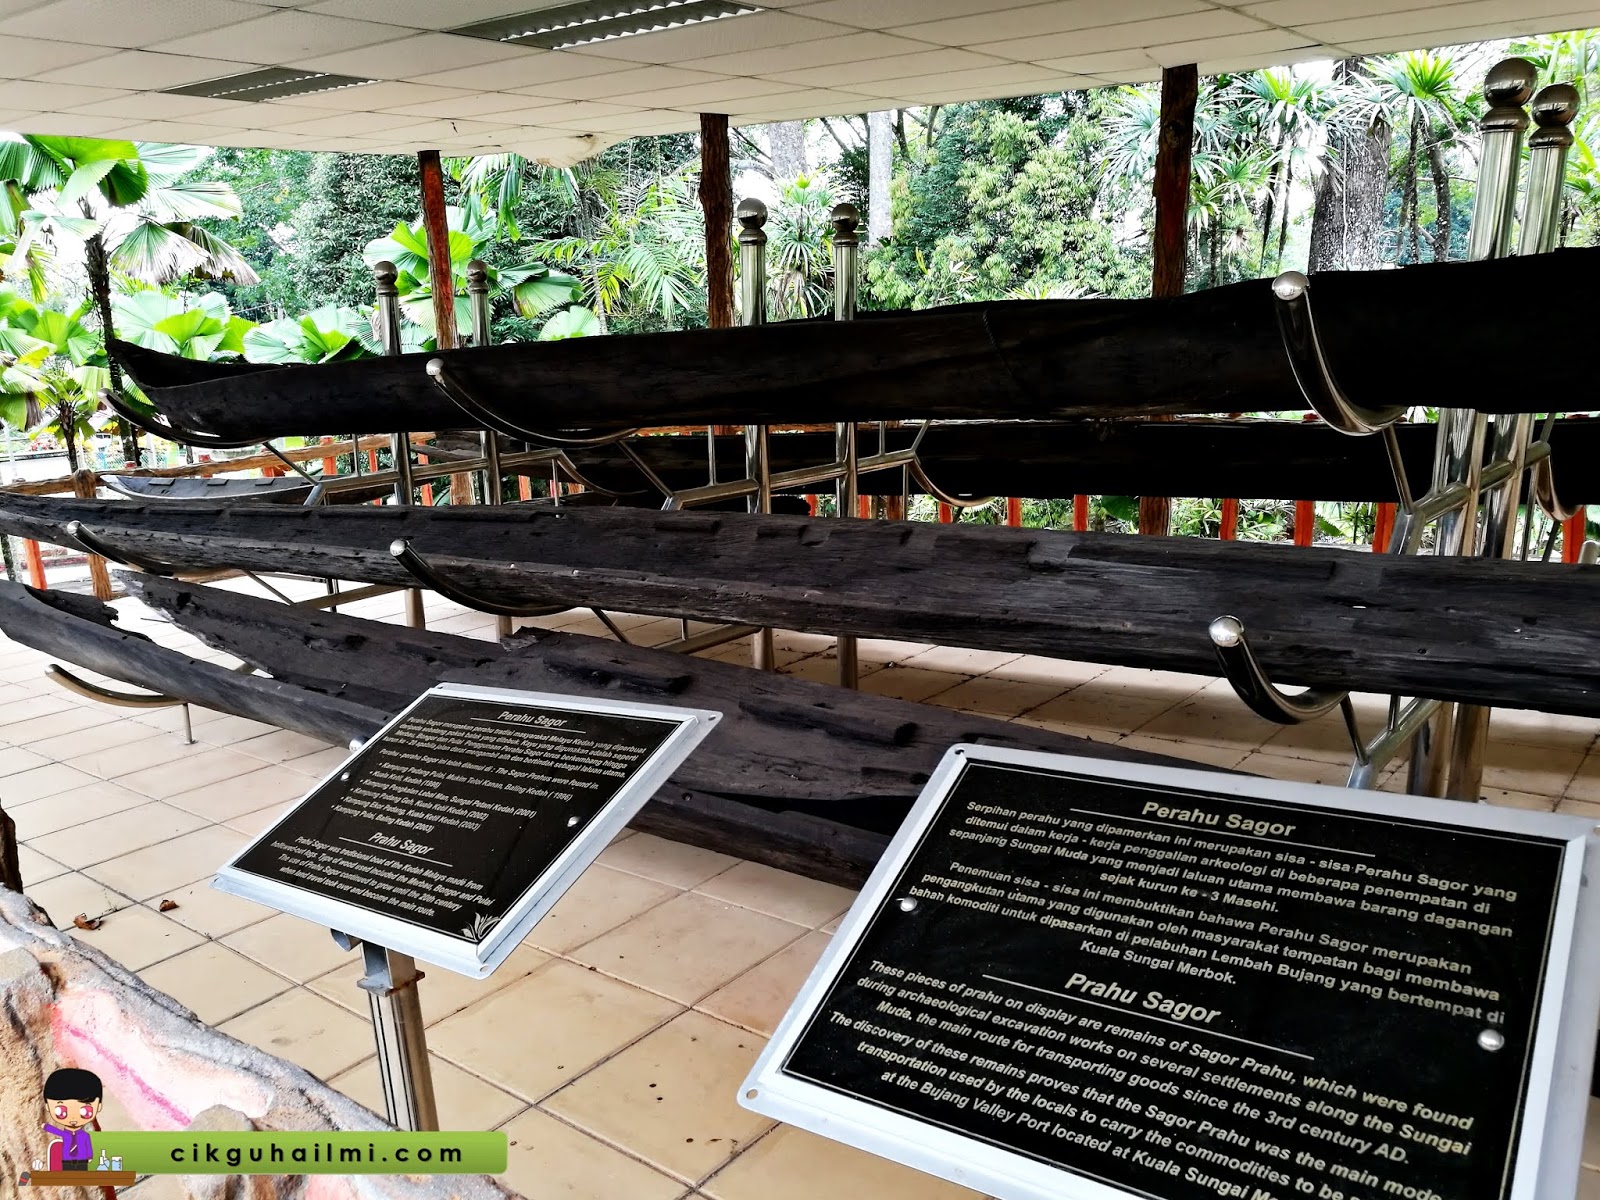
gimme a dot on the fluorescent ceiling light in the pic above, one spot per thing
(601, 21)
(269, 83)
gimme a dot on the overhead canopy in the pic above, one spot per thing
(561, 80)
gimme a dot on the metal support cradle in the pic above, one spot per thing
(1447, 759)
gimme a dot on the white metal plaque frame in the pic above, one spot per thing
(1555, 1104)
(540, 896)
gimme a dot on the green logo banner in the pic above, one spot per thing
(268, 1153)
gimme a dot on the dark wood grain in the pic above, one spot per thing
(1215, 351)
(799, 775)
(1492, 632)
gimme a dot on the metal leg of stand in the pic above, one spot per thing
(391, 987)
(188, 726)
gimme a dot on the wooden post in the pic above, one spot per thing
(35, 557)
(330, 465)
(1080, 513)
(1230, 521)
(947, 515)
(1382, 528)
(525, 488)
(1305, 522)
(442, 282)
(83, 487)
(1169, 241)
(716, 200)
(441, 279)
(1014, 512)
(1572, 534)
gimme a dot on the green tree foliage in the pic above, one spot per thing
(271, 186)
(350, 200)
(1008, 199)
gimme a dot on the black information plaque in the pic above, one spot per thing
(450, 832)
(1137, 978)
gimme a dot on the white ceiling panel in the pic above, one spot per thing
(1129, 36)
(1453, 16)
(418, 54)
(884, 14)
(99, 67)
(140, 69)
(852, 47)
(464, 104)
(1043, 19)
(1017, 75)
(1305, 54)
(159, 106)
(425, 14)
(758, 31)
(703, 97)
(533, 68)
(372, 97)
(1304, 12)
(283, 36)
(36, 58)
(129, 24)
(613, 83)
(899, 66)
(1270, 43)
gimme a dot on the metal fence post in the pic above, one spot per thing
(488, 439)
(1506, 90)
(752, 216)
(846, 219)
(384, 275)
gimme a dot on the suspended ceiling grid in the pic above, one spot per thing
(101, 67)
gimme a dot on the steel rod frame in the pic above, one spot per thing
(384, 276)
(1447, 747)
(390, 981)
(752, 217)
(846, 221)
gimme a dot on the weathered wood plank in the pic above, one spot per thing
(1214, 351)
(1505, 633)
(799, 775)
(80, 630)
(1258, 460)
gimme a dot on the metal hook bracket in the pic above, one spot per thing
(169, 431)
(486, 415)
(1243, 670)
(1310, 363)
(435, 580)
(105, 695)
(93, 543)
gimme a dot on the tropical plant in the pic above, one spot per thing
(800, 249)
(205, 331)
(131, 205)
(532, 288)
(642, 255)
(321, 335)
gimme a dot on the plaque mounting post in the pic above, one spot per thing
(391, 986)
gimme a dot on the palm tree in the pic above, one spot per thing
(799, 249)
(1288, 110)
(1417, 93)
(133, 207)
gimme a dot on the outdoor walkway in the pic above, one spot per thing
(609, 1047)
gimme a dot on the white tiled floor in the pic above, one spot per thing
(610, 1045)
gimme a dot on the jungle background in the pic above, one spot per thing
(1360, 164)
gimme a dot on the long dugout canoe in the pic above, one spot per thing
(1523, 635)
(1256, 460)
(1216, 351)
(798, 775)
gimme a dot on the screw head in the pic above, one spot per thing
(571, 821)
(344, 777)
(908, 905)
(1491, 1040)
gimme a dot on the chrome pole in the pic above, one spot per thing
(488, 439)
(390, 982)
(1554, 109)
(846, 219)
(384, 276)
(752, 217)
(1506, 90)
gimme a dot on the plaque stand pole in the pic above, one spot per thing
(391, 986)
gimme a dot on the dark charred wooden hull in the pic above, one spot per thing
(1489, 632)
(1215, 351)
(798, 775)
(1255, 460)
